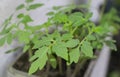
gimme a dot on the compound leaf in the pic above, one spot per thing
(40, 58)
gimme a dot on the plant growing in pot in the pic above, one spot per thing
(61, 52)
(113, 19)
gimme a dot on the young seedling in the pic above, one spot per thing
(70, 43)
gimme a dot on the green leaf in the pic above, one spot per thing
(45, 41)
(57, 7)
(53, 61)
(67, 36)
(66, 26)
(102, 29)
(88, 15)
(23, 36)
(60, 50)
(77, 19)
(95, 44)
(34, 67)
(50, 13)
(8, 30)
(35, 6)
(87, 49)
(55, 35)
(91, 37)
(26, 47)
(74, 55)
(99, 45)
(2, 41)
(21, 15)
(41, 43)
(9, 38)
(60, 18)
(72, 43)
(27, 19)
(43, 61)
(7, 21)
(29, 1)
(40, 58)
(111, 44)
(12, 50)
(69, 9)
(41, 51)
(21, 6)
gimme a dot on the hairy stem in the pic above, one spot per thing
(74, 29)
(60, 66)
(78, 67)
(48, 66)
(30, 52)
(68, 72)
(85, 38)
(47, 69)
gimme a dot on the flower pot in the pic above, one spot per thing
(12, 72)
(96, 67)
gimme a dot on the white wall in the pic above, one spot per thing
(6, 8)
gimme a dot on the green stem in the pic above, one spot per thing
(85, 38)
(103, 8)
(74, 29)
(30, 52)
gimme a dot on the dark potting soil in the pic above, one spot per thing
(114, 64)
(23, 64)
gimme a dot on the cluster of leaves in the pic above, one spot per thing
(12, 29)
(76, 39)
(109, 23)
(112, 19)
